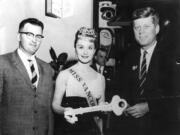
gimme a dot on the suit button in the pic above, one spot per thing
(35, 95)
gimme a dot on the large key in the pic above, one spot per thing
(117, 105)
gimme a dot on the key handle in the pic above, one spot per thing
(118, 105)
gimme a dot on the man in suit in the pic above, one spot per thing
(147, 80)
(26, 86)
(99, 65)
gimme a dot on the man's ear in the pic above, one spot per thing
(18, 37)
(157, 28)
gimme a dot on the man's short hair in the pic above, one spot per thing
(33, 21)
(101, 49)
(146, 12)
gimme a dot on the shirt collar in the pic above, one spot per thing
(150, 49)
(97, 65)
(25, 56)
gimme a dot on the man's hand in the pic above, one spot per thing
(138, 110)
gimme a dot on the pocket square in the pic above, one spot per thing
(134, 67)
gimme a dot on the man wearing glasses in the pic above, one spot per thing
(26, 85)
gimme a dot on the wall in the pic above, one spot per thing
(59, 33)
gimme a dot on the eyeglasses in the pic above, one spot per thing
(31, 36)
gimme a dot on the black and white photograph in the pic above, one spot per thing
(89, 67)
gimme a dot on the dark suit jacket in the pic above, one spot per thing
(24, 110)
(157, 92)
(107, 72)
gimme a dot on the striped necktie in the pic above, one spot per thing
(142, 74)
(34, 74)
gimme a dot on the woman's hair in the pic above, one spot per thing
(146, 12)
(87, 33)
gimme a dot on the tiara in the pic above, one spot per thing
(87, 32)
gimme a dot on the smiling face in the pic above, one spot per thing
(85, 50)
(145, 31)
(26, 44)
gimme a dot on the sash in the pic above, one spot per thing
(90, 99)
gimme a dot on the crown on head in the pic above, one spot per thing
(87, 32)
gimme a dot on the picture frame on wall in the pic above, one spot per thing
(53, 8)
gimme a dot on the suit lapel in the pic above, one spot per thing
(106, 71)
(135, 68)
(40, 72)
(136, 63)
(20, 67)
(153, 65)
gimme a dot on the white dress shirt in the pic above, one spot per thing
(24, 57)
(101, 68)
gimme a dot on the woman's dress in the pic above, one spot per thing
(85, 124)
(74, 97)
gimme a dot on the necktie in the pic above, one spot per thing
(34, 74)
(142, 74)
(99, 69)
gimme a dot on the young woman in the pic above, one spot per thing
(71, 93)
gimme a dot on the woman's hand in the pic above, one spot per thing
(70, 116)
